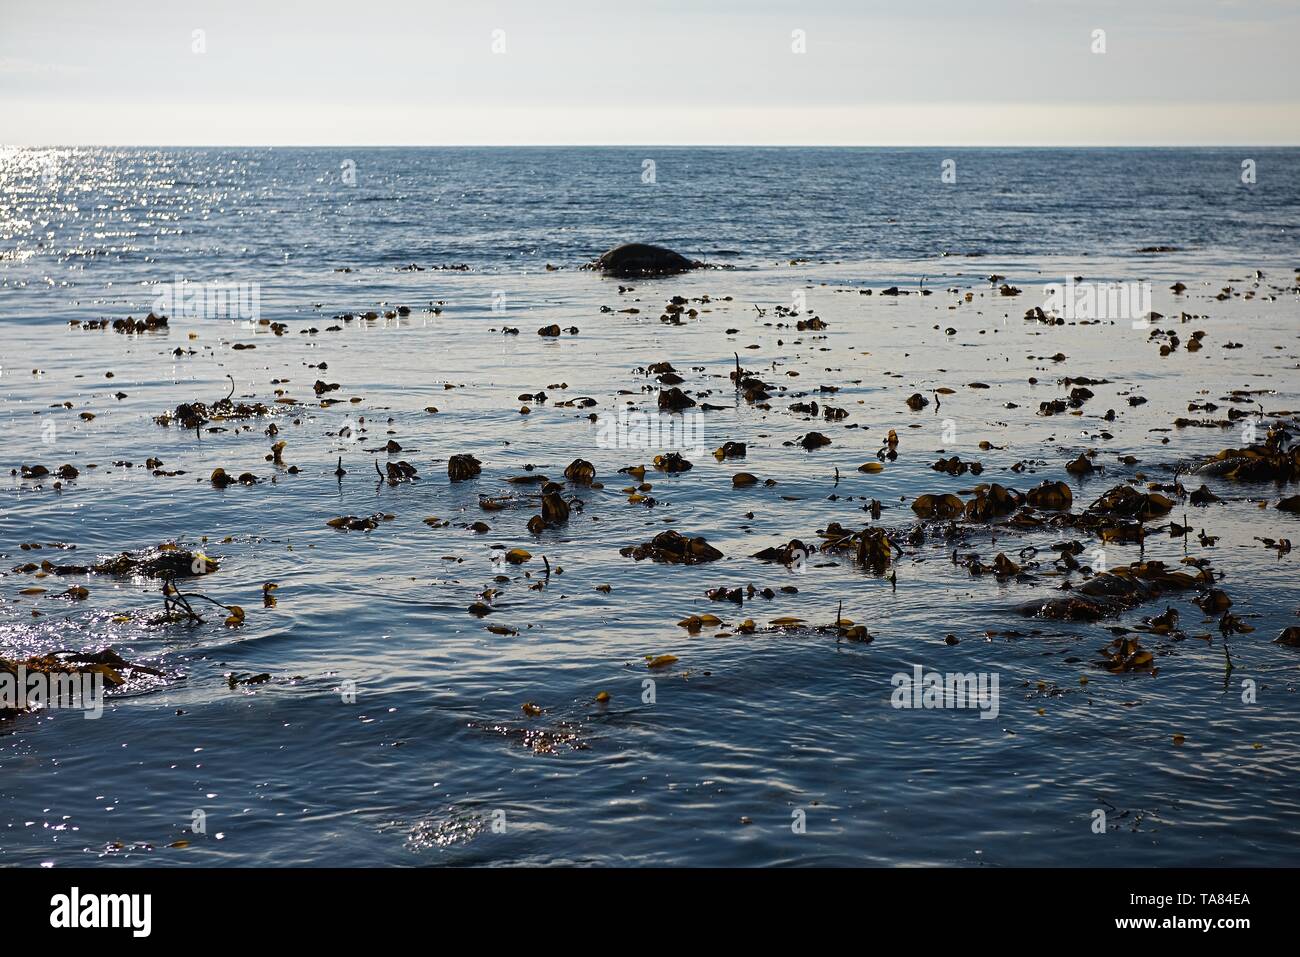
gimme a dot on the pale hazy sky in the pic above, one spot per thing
(951, 72)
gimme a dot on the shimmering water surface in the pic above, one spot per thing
(435, 761)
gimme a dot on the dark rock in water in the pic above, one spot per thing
(642, 259)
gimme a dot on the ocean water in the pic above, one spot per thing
(392, 729)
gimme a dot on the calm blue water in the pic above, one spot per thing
(118, 215)
(435, 759)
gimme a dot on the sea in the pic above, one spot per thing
(452, 687)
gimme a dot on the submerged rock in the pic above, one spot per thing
(643, 259)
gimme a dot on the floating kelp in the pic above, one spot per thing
(163, 561)
(813, 440)
(1110, 593)
(672, 462)
(1165, 623)
(1213, 602)
(1124, 501)
(149, 323)
(992, 501)
(1081, 466)
(177, 607)
(61, 671)
(462, 467)
(693, 623)
(195, 415)
(555, 511)
(580, 472)
(793, 552)
(1126, 654)
(674, 400)
(741, 595)
(1050, 495)
(395, 473)
(674, 549)
(789, 626)
(355, 523)
(870, 547)
(955, 466)
(1001, 567)
(938, 506)
(1269, 461)
(220, 478)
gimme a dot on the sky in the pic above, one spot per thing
(797, 72)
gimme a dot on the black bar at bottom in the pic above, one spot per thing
(335, 907)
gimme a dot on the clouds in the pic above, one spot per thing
(408, 72)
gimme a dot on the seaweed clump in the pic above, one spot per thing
(673, 549)
(1111, 593)
(195, 415)
(58, 667)
(164, 561)
(149, 323)
(463, 467)
(1269, 461)
(871, 548)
